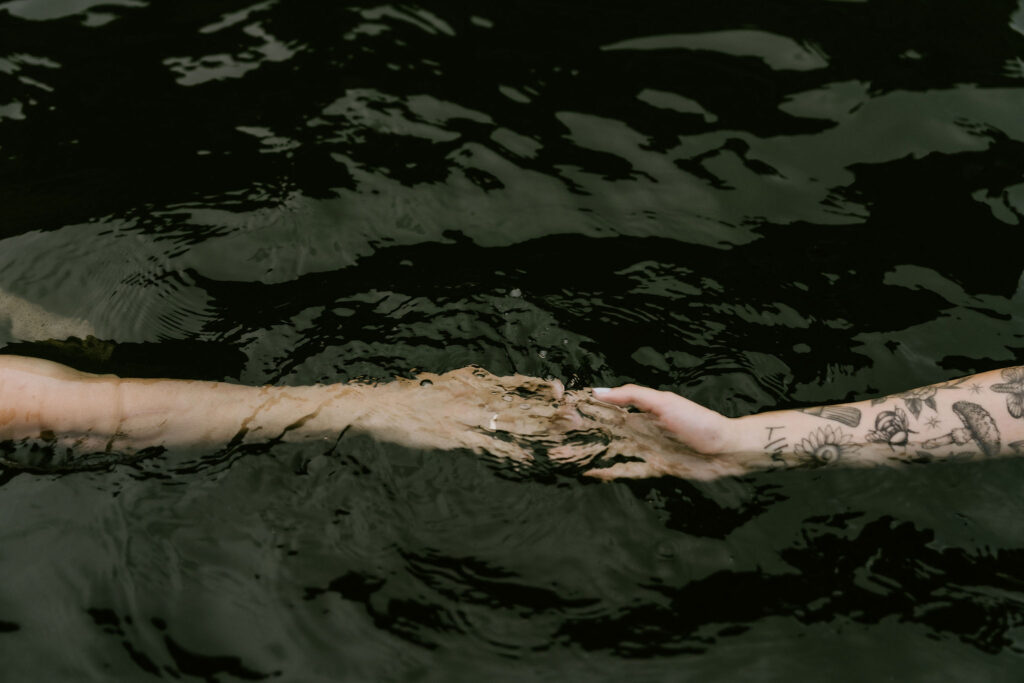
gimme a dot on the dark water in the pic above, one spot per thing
(758, 205)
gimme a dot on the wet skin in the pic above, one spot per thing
(519, 419)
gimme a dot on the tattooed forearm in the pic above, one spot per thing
(920, 425)
(848, 415)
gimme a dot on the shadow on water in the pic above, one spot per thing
(552, 561)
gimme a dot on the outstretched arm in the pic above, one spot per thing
(972, 417)
(467, 408)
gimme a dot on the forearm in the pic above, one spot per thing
(174, 413)
(42, 400)
(976, 416)
(466, 408)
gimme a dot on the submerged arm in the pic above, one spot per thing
(977, 416)
(467, 408)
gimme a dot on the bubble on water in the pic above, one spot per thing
(506, 398)
(516, 292)
(524, 406)
(542, 354)
(426, 383)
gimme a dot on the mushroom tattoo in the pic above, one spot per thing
(978, 425)
(1013, 384)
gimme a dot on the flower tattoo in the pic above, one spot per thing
(915, 398)
(824, 446)
(1013, 385)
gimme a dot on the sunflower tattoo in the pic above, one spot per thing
(825, 446)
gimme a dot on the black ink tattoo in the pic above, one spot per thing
(978, 425)
(775, 445)
(974, 388)
(891, 428)
(1013, 386)
(848, 415)
(825, 446)
(933, 422)
(917, 399)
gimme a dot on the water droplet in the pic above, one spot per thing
(426, 383)
(524, 406)
(506, 398)
(542, 354)
(516, 292)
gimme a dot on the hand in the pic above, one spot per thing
(672, 436)
(527, 420)
(510, 417)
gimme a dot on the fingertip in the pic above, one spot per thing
(615, 396)
(625, 395)
(557, 388)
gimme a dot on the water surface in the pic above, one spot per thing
(756, 205)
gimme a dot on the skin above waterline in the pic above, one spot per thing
(516, 418)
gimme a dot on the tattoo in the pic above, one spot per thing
(974, 388)
(891, 428)
(979, 426)
(825, 446)
(917, 399)
(933, 422)
(1013, 386)
(848, 415)
(774, 445)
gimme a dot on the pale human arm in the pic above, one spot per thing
(972, 417)
(83, 413)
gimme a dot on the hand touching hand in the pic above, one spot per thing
(672, 435)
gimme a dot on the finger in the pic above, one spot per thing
(557, 388)
(643, 398)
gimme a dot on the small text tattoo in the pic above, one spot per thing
(775, 444)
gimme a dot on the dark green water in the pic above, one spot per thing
(758, 205)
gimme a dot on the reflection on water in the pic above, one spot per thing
(758, 205)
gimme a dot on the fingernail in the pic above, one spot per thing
(600, 390)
